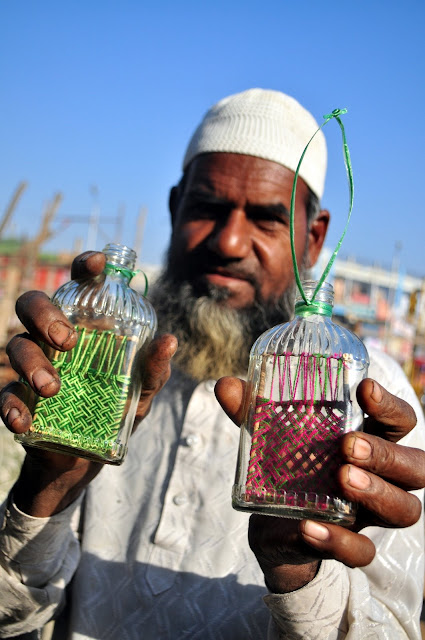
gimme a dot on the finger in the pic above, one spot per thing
(87, 265)
(157, 368)
(277, 541)
(388, 416)
(384, 503)
(403, 466)
(29, 361)
(13, 409)
(44, 321)
(230, 392)
(157, 362)
(350, 548)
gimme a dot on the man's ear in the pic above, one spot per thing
(317, 235)
(173, 203)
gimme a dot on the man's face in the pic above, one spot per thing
(231, 228)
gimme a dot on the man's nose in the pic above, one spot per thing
(231, 238)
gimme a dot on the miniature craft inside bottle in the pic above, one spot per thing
(92, 415)
(300, 400)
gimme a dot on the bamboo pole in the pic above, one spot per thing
(12, 205)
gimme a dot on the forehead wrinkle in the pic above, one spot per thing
(199, 193)
(244, 180)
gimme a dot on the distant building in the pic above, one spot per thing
(385, 307)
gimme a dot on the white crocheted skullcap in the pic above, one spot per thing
(265, 124)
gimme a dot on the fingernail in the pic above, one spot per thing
(88, 255)
(17, 420)
(358, 478)
(60, 333)
(376, 394)
(42, 379)
(12, 415)
(315, 530)
(361, 448)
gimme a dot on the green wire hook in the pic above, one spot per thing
(336, 113)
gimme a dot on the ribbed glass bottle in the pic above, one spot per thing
(93, 413)
(300, 400)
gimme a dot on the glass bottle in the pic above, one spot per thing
(92, 415)
(300, 400)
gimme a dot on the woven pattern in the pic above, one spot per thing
(88, 410)
(294, 452)
(295, 447)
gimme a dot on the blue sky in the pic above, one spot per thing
(105, 94)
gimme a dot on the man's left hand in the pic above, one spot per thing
(377, 475)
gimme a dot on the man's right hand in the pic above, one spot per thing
(49, 481)
(377, 473)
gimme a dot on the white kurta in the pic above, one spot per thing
(164, 555)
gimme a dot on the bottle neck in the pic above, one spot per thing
(120, 260)
(315, 308)
(113, 269)
(321, 305)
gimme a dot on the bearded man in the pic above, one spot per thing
(153, 549)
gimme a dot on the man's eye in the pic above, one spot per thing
(203, 211)
(270, 222)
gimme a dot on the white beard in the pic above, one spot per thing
(214, 340)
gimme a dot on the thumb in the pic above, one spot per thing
(230, 392)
